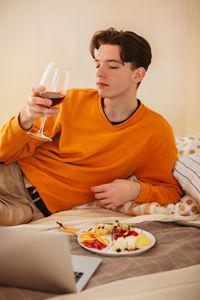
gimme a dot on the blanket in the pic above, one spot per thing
(176, 250)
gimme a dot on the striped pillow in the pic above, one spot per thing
(187, 172)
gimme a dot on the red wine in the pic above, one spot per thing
(56, 98)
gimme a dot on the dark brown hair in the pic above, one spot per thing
(134, 48)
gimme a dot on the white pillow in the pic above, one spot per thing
(187, 171)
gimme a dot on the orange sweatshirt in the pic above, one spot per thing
(87, 150)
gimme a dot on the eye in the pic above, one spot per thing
(113, 67)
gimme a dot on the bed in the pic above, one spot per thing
(170, 269)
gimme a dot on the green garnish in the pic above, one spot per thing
(116, 221)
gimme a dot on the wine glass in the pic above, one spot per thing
(56, 82)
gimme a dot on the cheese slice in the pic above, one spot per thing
(142, 241)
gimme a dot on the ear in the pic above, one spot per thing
(139, 74)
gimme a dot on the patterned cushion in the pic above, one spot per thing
(188, 145)
(185, 207)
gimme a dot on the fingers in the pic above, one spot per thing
(100, 196)
(37, 90)
(115, 193)
(38, 101)
(36, 107)
(109, 206)
(106, 203)
(100, 188)
(103, 196)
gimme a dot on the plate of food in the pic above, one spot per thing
(116, 239)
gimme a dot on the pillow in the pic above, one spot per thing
(185, 207)
(188, 145)
(187, 172)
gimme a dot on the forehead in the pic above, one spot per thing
(109, 52)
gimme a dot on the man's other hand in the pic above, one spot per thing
(116, 193)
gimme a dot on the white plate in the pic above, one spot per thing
(108, 252)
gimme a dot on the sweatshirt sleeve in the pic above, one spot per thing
(155, 175)
(163, 193)
(15, 143)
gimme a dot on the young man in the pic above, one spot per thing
(100, 138)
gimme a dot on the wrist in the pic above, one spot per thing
(136, 190)
(24, 122)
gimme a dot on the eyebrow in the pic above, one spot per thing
(110, 60)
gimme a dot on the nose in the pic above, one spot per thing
(101, 72)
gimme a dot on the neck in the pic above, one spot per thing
(117, 110)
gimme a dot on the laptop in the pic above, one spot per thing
(42, 261)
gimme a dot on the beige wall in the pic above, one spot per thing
(34, 32)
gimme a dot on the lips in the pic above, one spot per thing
(101, 84)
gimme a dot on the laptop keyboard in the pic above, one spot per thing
(78, 275)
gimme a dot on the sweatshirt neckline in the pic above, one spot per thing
(130, 120)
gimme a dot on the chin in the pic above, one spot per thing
(101, 93)
(104, 94)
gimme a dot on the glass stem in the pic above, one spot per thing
(42, 126)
